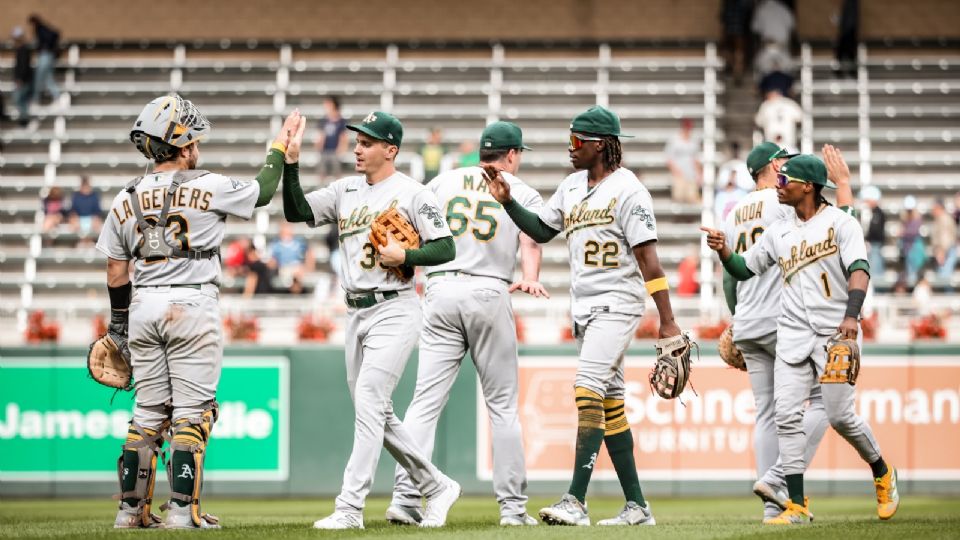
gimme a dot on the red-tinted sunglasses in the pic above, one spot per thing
(577, 140)
(783, 180)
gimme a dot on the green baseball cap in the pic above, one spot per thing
(762, 154)
(597, 120)
(380, 125)
(807, 167)
(502, 136)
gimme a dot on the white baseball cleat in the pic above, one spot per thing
(435, 514)
(568, 511)
(632, 514)
(404, 515)
(340, 520)
(181, 517)
(770, 495)
(131, 517)
(518, 520)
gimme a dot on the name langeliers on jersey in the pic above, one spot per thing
(153, 199)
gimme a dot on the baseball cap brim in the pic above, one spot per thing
(367, 131)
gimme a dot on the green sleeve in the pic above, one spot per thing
(859, 264)
(269, 176)
(432, 253)
(529, 222)
(296, 209)
(737, 268)
(730, 292)
(851, 211)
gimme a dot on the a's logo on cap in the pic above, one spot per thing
(370, 118)
(487, 144)
(389, 135)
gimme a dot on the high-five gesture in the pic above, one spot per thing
(499, 188)
(299, 121)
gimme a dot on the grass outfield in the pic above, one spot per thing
(476, 517)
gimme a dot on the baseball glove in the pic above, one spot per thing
(109, 363)
(671, 372)
(393, 222)
(729, 351)
(843, 361)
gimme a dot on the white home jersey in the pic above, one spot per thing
(602, 225)
(195, 221)
(758, 299)
(813, 257)
(487, 239)
(353, 204)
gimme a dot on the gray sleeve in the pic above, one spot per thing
(761, 255)
(528, 197)
(323, 203)
(636, 218)
(850, 240)
(427, 218)
(552, 212)
(234, 197)
(111, 242)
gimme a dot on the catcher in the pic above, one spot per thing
(606, 215)
(382, 216)
(169, 223)
(823, 266)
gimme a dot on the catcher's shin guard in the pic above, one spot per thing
(185, 468)
(137, 470)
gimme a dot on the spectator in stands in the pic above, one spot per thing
(291, 256)
(432, 154)
(259, 275)
(86, 216)
(778, 118)
(738, 167)
(773, 21)
(469, 155)
(875, 224)
(687, 271)
(53, 209)
(728, 195)
(913, 251)
(735, 16)
(847, 37)
(332, 141)
(775, 74)
(235, 257)
(332, 241)
(22, 77)
(683, 159)
(943, 240)
(48, 48)
(956, 208)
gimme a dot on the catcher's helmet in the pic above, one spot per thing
(167, 124)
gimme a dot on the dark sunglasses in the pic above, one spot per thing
(577, 140)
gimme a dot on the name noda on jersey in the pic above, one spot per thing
(813, 258)
(758, 299)
(487, 239)
(602, 224)
(353, 204)
(196, 220)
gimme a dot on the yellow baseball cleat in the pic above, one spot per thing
(793, 515)
(888, 499)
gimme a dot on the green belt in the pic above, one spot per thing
(445, 273)
(368, 300)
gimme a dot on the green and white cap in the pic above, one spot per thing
(382, 126)
(597, 120)
(502, 136)
(809, 168)
(762, 154)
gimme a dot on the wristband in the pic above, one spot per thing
(279, 146)
(855, 300)
(120, 296)
(656, 285)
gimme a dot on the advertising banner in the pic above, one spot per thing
(57, 424)
(912, 404)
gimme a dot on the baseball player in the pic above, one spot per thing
(607, 217)
(384, 311)
(170, 223)
(753, 304)
(822, 259)
(467, 307)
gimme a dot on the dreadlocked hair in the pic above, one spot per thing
(612, 152)
(818, 195)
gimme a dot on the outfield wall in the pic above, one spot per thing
(286, 425)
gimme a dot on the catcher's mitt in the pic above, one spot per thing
(670, 374)
(109, 363)
(729, 351)
(393, 222)
(843, 361)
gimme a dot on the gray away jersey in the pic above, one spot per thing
(813, 257)
(758, 299)
(602, 225)
(487, 239)
(196, 220)
(353, 204)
